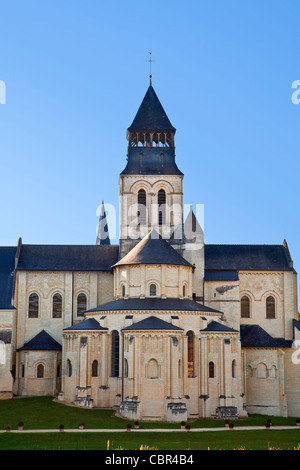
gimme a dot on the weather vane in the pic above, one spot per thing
(150, 60)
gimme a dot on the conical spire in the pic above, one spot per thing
(102, 231)
(192, 229)
(151, 115)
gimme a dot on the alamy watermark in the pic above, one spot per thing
(2, 92)
(171, 221)
(296, 94)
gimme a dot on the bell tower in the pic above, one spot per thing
(151, 193)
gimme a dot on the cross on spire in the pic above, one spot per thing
(150, 60)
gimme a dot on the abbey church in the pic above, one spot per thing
(161, 326)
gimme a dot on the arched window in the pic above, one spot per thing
(152, 369)
(81, 304)
(115, 349)
(161, 199)
(125, 368)
(233, 368)
(183, 291)
(57, 306)
(22, 375)
(270, 307)
(245, 307)
(211, 370)
(152, 290)
(40, 371)
(123, 290)
(142, 209)
(69, 368)
(190, 336)
(33, 306)
(95, 368)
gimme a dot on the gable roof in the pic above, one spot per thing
(216, 326)
(151, 114)
(154, 303)
(41, 342)
(7, 266)
(254, 336)
(152, 323)
(153, 249)
(248, 257)
(86, 324)
(67, 257)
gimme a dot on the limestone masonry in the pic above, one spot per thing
(161, 326)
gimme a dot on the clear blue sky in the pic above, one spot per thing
(75, 75)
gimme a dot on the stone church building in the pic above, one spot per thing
(161, 326)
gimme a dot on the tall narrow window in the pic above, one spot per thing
(183, 291)
(270, 307)
(142, 208)
(233, 368)
(57, 306)
(69, 368)
(40, 371)
(190, 336)
(123, 290)
(152, 290)
(245, 307)
(211, 370)
(161, 199)
(95, 368)
(115, 349)
(33, 306)
(81, 304)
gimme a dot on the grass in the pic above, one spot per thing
(44, 413)
(218, 440)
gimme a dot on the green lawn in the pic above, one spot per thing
(44, 413)
(218, 440)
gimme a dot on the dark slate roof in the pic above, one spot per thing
(86, 324)
(296, 324)
(68, 257)
(152, 323)
(41, 342)
(154, 303)
(151, 161)
(253, 336)
(248, 257)
(7, 266)
(216, 326)
(221, 276)
(153, 249)
(151, 114)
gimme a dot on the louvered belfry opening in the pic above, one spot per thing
(161, 199)
(142, 208)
